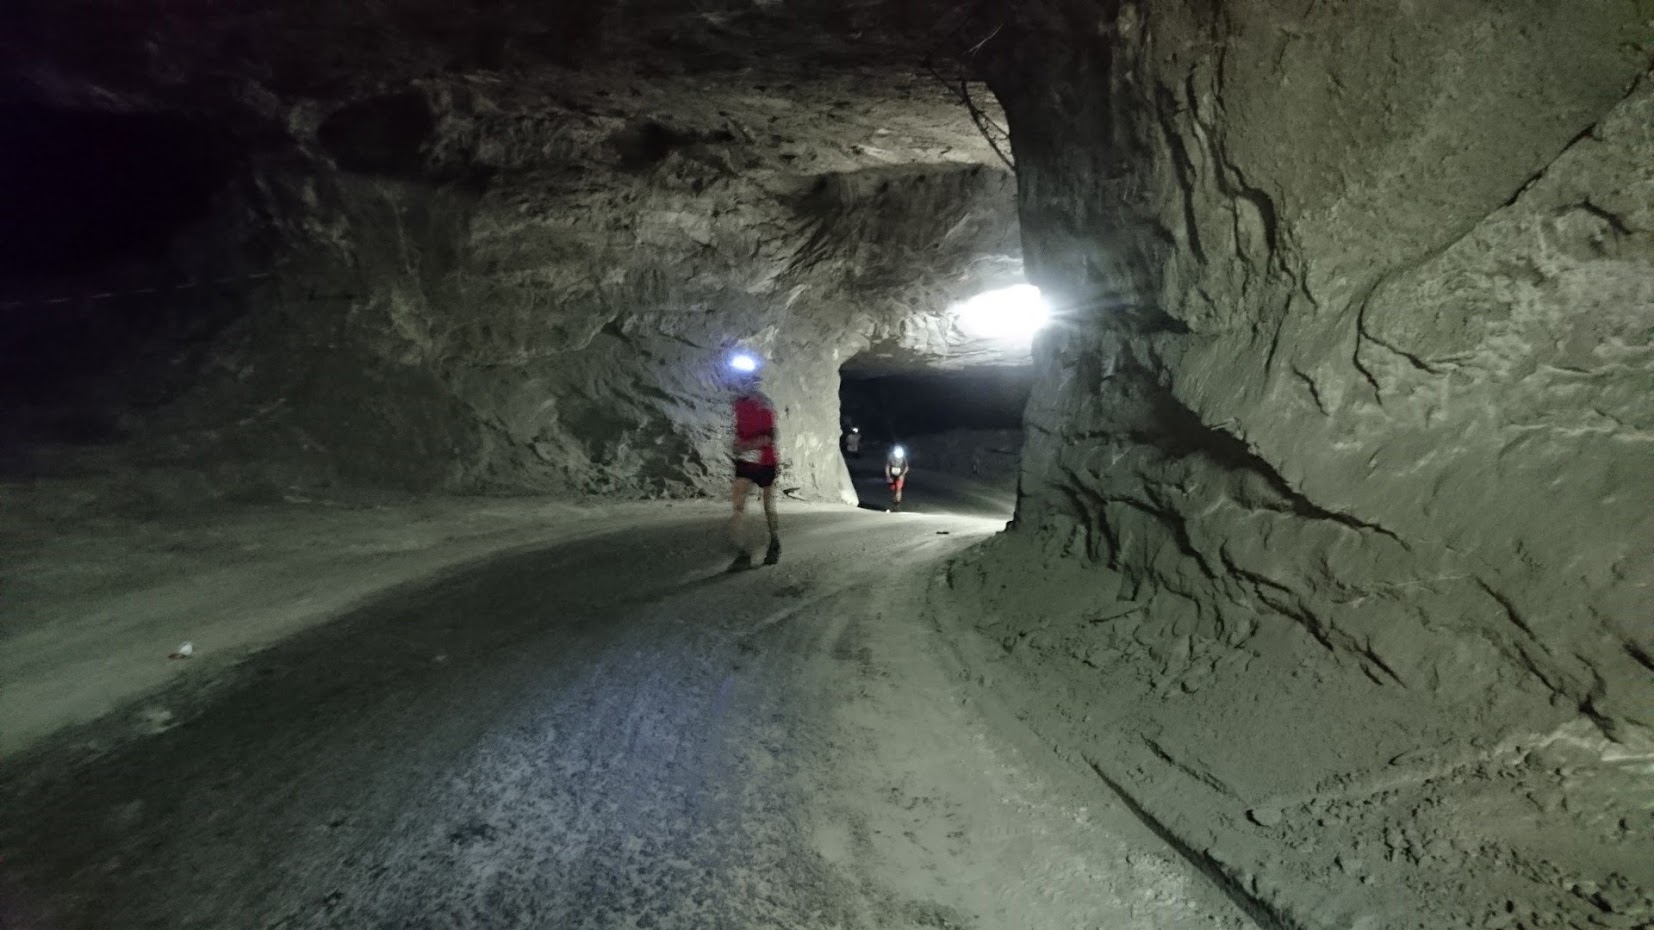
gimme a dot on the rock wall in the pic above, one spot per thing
(982, 455)
(484, 269)
(1339, 458)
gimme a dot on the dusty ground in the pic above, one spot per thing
(96, 600)
(1221, 747)
(591, 731)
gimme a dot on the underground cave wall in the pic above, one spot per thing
(431, 340)
(475, 302)
(1358, 335)
(507, 254)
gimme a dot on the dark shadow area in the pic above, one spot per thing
(84, 187)
(383, 135)
(960, 431)
(92, 206)
(890, 407)
(650, 142)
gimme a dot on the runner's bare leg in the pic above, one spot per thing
(773, 553)
(739, 499)
(770, 516)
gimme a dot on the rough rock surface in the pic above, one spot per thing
(1335, 492)
(505, 253)
(985, 455)
(1340, 459)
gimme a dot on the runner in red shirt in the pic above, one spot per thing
(896, 468)
(756, 458)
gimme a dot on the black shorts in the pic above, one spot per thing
(761, 475)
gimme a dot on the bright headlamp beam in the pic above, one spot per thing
(743, 362)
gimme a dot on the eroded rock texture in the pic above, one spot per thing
(497, 247)
(1354, 406)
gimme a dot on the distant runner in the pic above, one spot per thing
(756, 459)
(895, 474)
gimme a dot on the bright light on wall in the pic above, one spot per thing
(743, 362)
(1010, 314)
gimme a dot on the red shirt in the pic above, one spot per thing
(755, 419)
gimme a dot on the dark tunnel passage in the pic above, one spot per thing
(85, 188)
(93, 210)
(960, 432)
(893, 406)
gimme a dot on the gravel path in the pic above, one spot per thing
(609, 733)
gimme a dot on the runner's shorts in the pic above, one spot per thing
(761, 475)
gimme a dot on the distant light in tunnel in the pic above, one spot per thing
(1010, 314)
(743, 362)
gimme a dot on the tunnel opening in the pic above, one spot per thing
(959, 431)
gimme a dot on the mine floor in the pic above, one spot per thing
(603, 731)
